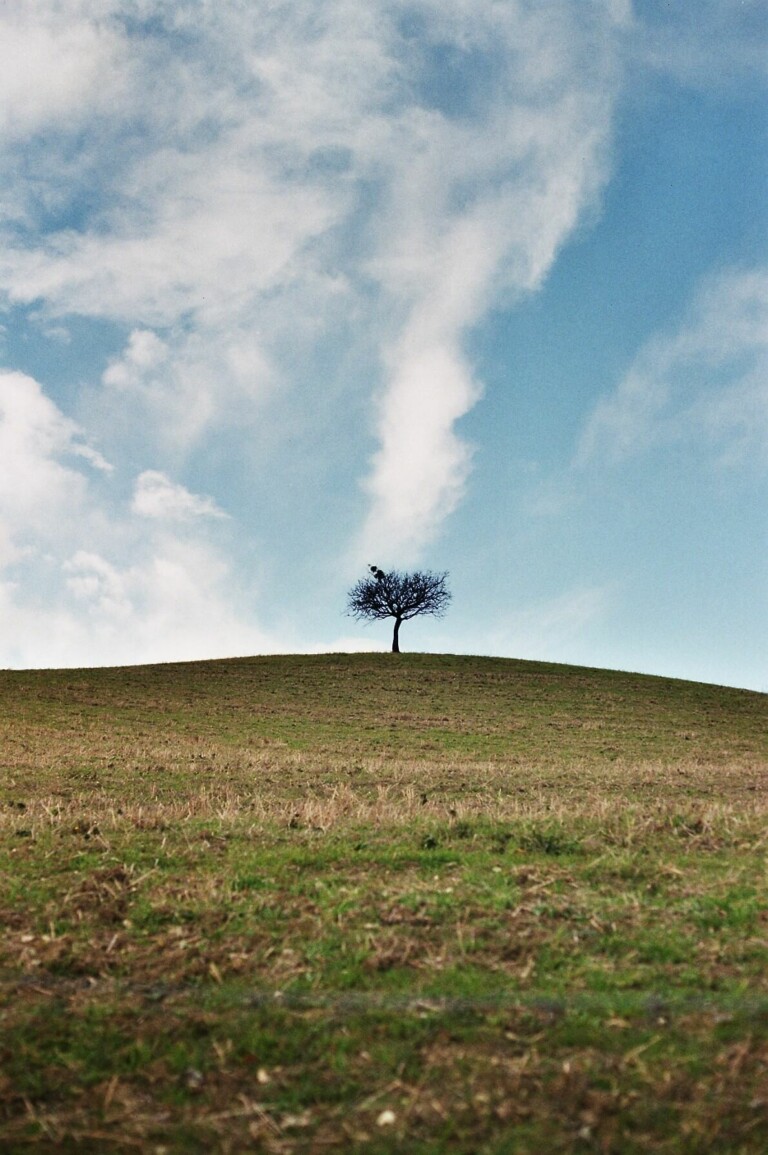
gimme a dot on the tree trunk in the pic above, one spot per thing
(396, 637)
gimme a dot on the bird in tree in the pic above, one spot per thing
(397, 595)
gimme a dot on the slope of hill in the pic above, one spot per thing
(415, 902)
(432, 708)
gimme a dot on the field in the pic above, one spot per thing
(382, 903)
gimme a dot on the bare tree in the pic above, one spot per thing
(397, 595)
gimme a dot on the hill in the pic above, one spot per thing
(436, 709)
(414, 902)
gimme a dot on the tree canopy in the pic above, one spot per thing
(398, 595)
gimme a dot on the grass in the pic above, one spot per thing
(415, 903)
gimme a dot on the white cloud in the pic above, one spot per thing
(479, 208)
(37, 486)
(94, 580)
(186, 383)
(55, 63)
(93, 457)
(250, 170)
(705, 385)
(144, 353)
(157, 496)
(82, 581)
(171, 604)
(419, 473)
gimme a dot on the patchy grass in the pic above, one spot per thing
(415, 903)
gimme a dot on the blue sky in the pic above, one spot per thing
(290, 288)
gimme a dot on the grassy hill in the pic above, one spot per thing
(392, 903)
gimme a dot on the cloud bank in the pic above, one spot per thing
(131, 595)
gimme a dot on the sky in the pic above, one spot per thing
(476, 286)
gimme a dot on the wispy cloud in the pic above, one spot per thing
(704, 385)
(479, 210)
(236, 186)
(711, 42)
(157, 496)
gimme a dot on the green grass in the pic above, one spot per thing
(415, 903)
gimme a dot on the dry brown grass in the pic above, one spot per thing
(295, 905)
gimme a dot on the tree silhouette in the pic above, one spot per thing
(397, 595)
